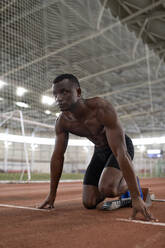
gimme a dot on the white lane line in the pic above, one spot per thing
(142, 222)
(37, 209)
(158, 200)
(22, 207)
(38, 182)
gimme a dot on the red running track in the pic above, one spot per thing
(69, 225)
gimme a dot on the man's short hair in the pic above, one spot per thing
(70, 77)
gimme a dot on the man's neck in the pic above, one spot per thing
(79, 109)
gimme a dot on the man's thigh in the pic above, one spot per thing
(111, 182)
(111, 176)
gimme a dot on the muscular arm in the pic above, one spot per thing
(116, 140)
(56, 164)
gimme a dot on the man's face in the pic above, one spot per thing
(66, 94)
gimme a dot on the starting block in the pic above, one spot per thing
(149, 197)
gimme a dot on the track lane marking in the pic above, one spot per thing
(21, 207)
(158, 200)
(37, 209)
(142, 222)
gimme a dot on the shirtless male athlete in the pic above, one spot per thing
(110, 172)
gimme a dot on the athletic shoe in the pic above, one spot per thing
(112, 205)
(124, 200)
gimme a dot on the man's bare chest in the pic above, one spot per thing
(88, 128)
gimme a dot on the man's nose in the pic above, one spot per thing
(59, 98)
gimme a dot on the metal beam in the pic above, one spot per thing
(92, 36)
(160, 80)
(28, 121)
(142, 114)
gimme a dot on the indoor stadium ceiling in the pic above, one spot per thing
(115, 47)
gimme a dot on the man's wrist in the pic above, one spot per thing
(135, 196)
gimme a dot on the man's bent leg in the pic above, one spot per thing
(112, 183)
(91, 196)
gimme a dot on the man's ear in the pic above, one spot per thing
(78, 92)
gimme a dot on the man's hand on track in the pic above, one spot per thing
(48, 203)
(139, 206)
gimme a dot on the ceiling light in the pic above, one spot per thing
(57, 114)
(22, 104)
(2, 84)
(1, 99)
(48, 100)
(21, 91)
(47, 112)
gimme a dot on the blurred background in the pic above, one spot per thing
(117, 51)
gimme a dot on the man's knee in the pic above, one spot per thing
(90, 203)
(108, 190)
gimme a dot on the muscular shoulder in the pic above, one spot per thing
(59, 125)
(105, 112)
(99, 104)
